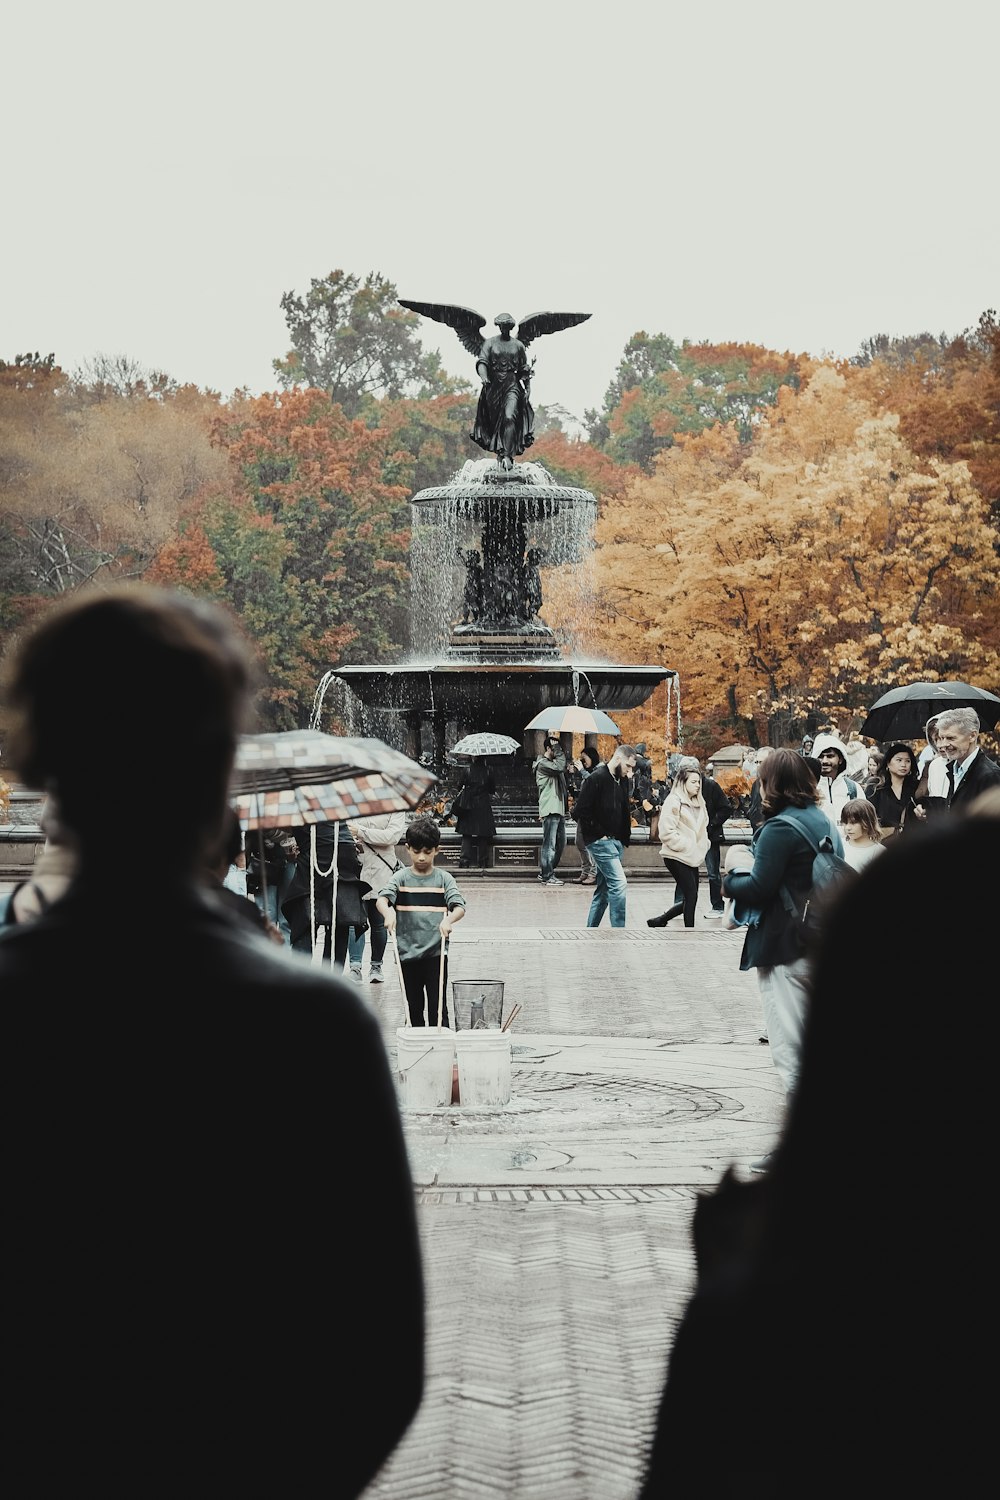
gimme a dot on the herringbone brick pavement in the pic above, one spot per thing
(556, 1229)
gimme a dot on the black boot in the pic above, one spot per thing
(664, 917)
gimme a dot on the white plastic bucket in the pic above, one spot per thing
(483, 1067)
(425, 1059)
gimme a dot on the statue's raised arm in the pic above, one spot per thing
(504, 418)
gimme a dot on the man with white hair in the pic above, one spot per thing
(970, 771)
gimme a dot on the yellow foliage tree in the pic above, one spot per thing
(808, 571)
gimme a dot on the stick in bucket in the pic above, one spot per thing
(402, 986)
(441, 985)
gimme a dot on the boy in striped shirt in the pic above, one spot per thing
(421, 906)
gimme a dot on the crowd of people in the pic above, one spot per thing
(178, 1287)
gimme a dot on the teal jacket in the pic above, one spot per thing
(782, 856)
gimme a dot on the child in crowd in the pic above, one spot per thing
(860, 831)
(420, 907)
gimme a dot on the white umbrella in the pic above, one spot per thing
(485, 744)
(571, 718)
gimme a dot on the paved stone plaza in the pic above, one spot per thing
(556, 1228)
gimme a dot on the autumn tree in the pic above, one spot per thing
(308, 546)
(352, 340)
(946, 392)
(806, 572)
(663, 391)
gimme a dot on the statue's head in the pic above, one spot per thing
(503, 320)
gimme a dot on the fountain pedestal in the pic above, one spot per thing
(484, 660)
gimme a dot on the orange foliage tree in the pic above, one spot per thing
(308, 543)
(807, 571)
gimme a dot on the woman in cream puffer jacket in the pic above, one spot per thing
(683, 839)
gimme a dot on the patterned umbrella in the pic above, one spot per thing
(302, 776)
(572, 719)
(485, 744)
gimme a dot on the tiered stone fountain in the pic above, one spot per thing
(484, 660)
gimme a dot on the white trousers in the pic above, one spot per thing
(783, 1001)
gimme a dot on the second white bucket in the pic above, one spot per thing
(483, 1067)
(425, 1060)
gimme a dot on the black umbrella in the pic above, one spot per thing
(902, 713)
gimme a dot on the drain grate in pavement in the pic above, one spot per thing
(476, 1196)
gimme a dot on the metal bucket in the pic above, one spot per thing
(477, 1004)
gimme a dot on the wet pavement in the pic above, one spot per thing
(556, 1227)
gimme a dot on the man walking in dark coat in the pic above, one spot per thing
(603, 814)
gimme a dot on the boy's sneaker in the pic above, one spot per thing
(356, 972)
(375, 974)
(552, 880)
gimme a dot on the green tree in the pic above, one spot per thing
(662, 389)
(351, 339)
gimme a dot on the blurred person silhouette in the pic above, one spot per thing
(783, 849)
(836, 1335)
(176, 1310)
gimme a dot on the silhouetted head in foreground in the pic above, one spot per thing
(128, 707)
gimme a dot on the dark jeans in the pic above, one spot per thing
(686, 877)
(379, 937)
(341, 937)
(553, 844)
(713, 867)
(421, 978)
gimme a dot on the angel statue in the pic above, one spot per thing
(504, 418)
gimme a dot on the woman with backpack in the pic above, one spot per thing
(777, 889)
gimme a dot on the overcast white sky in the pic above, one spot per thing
(794, 174)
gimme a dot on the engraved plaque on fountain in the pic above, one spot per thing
(515, 854)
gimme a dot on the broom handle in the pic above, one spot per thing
(402, 986)
(441, 986)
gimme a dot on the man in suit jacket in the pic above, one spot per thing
(970, 771)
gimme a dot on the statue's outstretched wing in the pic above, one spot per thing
(538, 323)
(467, 324)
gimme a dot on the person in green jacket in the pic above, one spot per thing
(550, 778)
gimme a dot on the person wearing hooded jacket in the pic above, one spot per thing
(835, 786)
(684, 840)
